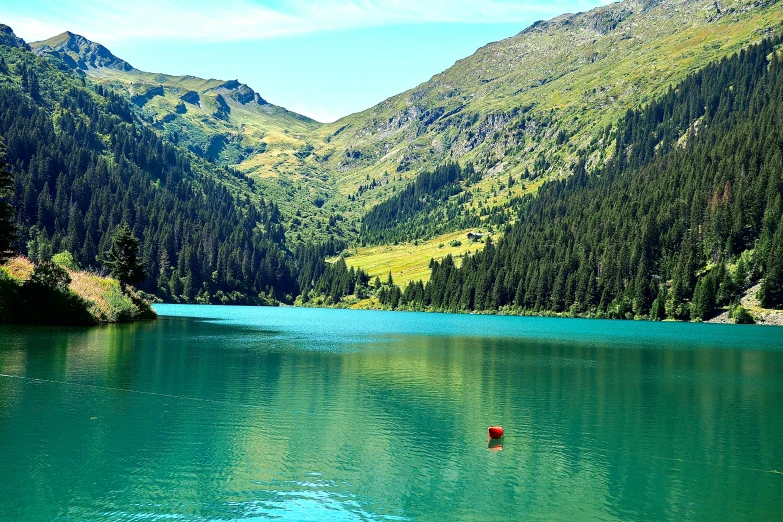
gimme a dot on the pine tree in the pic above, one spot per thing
(772, 287)
(123, 257)
(741, 276)
(658, 308)
(703, 302)
(7, 222)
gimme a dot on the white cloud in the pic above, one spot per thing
(322, 114)
(29, 28)
(247, 19)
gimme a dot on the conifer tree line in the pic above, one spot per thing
(432, 204)
(685, 216)
(396, 217)
(7, 213)
(325, 283)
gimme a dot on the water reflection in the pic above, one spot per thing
(495, 445)
(219, 420)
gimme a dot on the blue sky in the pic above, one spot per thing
(325, 58)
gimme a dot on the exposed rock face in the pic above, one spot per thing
(145, 94)
(191, 97)
(751, 303)
(244, 94)
(7, 37)
(602, 21)
(79, 52)
(223, 109)
(231, 85)
(606, 21)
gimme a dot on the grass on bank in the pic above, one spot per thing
(102, 299)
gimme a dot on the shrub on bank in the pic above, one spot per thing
(742, 316)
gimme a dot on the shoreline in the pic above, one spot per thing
(506, 313)
(82, 299)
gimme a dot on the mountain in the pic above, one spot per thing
(527, 107)
(504, 142)
(80, 53)
(84, 164)
(521, 111)
(684, 218)
(8, 38)
(224, 121)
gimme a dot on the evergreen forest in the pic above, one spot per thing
(682, 219)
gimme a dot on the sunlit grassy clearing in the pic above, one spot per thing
(408, 261)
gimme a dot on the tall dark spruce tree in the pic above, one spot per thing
(122, 258)
(772, 287)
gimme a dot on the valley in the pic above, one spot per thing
(520, 116)
(409, 262)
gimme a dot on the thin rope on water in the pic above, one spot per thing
(155, 394)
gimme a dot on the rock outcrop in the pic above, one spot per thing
(7, 37)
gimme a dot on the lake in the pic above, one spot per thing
(223, 413)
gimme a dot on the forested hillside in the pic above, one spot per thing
(519, 110)
(669, 211)
(685, 216)
(422, 207)
(83, 166)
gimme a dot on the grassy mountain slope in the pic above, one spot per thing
(522, 109)
(683, 219)
(222, 121)
(410, 261)
(536, 100)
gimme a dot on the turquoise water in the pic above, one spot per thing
(224, 413)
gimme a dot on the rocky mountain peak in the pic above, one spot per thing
(7, 37)
(242, 93)
(80, 53)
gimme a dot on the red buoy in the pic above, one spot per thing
(495, 432)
